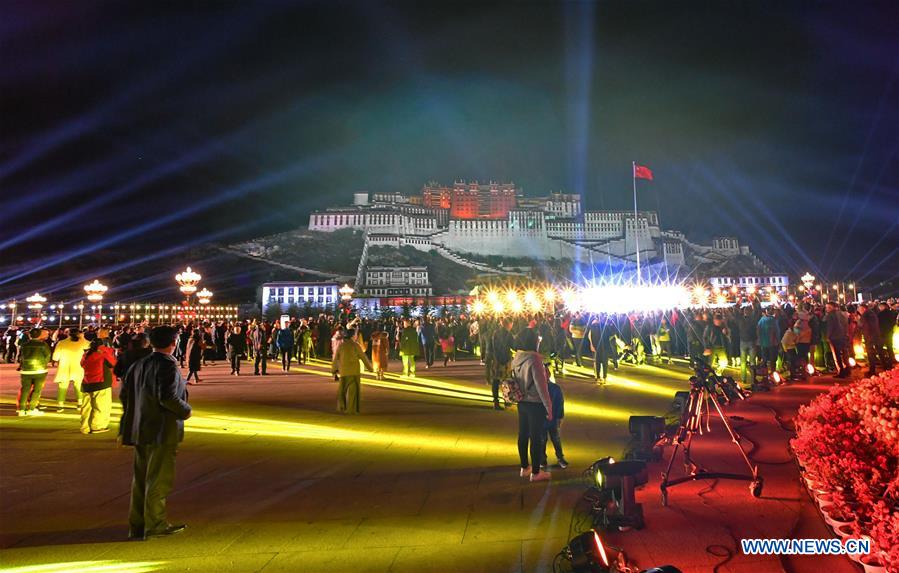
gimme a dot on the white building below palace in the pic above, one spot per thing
(318, 295)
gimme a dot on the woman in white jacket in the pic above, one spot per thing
(535, 408)
(67, 356)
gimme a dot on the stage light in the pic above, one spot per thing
(852, 362)
(587, 553)
(750, 290)
(776, 377)
(598, 468)
(549, 295)
(532, 301)
(810, 368)
(477, 307)
(858, 350)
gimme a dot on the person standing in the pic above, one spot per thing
(870, 328)
(236, 345)
(195, 349)
(260, 349)
(748, 333)
(154, 407)
(285, 347)
(836, 330)
(34, 355)
(428, 340)
(578, 328)
(380, 348)
(501, 344)
(599, 335)
(96, 401)
(410, 347)
(768, 336)
(345, 366)
(554, 426)
(716, 339)
(138, 347)
(886, 319)
(67, 356)
(535, 407)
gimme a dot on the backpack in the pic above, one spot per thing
(511, 390)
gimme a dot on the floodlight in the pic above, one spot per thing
(587, 553)
(597, 470)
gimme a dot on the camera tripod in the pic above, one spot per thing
(707, 389)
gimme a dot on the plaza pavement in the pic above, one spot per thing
(271, 478)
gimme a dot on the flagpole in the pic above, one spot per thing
(636, 236)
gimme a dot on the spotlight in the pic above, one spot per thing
(587, 553)
(776, 377)
(597, 470)
(852, 362)
(619, 479)
(810, 368)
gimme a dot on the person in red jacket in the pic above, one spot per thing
(96, 401)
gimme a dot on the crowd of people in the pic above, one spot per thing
(527, 348)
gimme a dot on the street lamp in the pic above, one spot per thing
(204, 295)
(346, 292)
(188, 280)
(36, 303)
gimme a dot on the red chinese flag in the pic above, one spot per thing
(642, 172)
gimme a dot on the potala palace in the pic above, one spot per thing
(496, 219)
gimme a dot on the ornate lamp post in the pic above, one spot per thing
(203, 298)
(36, 303)
(346, 294)
(187, 281)
(808, 281)
(852, 288)
(95, 292)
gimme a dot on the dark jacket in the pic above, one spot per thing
(836, 327)
(501, 346)
(131, 356)
(154, 402)
(34, 356)
(558, 400)
(237, 344)
(870, 327)
(260, 339)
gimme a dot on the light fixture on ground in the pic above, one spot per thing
(587, 553)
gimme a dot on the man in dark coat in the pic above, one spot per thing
(154, 404)
(870, 328)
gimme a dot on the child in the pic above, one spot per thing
(553, 427)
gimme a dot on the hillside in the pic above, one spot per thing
(334, 253)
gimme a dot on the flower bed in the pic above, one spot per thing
(847, 443)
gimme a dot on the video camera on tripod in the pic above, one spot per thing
(725, 387)
(707, 390)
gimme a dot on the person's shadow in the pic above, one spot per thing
(105, 534)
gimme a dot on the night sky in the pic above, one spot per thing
(146, 126)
